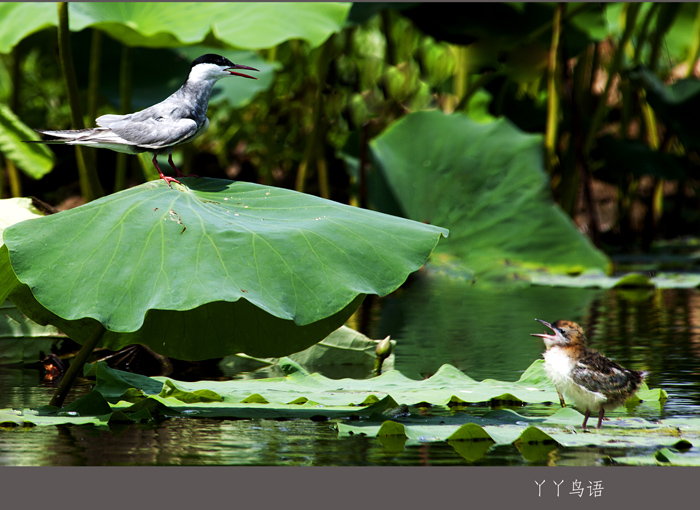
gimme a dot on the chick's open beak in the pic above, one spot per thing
(544, 335)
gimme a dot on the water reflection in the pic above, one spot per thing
(485, 332)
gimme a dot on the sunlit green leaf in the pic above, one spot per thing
(170, 389)
(301, 264)
(391, 428)
(20, 19)
(241, 25)
(470, 432)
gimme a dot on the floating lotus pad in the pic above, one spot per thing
(137, 398)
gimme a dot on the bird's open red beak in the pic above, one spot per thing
(237, 66)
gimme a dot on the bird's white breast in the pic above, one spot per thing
(558, 367)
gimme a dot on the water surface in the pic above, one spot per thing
(484, 333)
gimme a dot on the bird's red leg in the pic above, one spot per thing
(177, 170)
(585, 418)
(600, 417)
(163, 176)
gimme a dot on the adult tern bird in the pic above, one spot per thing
(159, 128)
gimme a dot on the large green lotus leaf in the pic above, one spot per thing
(301, 264)
(20, 19)
(35, 160)
(250, 25)
(211, 330)
(486, 183)
(169, 25)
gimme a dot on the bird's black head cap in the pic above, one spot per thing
(211, 58)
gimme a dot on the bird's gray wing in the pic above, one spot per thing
(154, 131)
(107, 120)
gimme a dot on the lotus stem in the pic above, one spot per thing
(76, 366)
(461, 78)
(643, 33)
(550, 141)
(390, 55)
(667, 14)
(15, 78)
(13, 177)
(125, 89)
(314, 149)
(94, 76)
(571, 13)
(89, 181)
(694, 49)
(601, 107)
(480, 83)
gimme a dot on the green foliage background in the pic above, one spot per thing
(610, 87)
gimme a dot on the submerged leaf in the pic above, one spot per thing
(255, 398)
(391, 428)
(470, 432)
(535, 445)
(171, 390)
(533, 435)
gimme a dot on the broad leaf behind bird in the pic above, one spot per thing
(179, 119)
